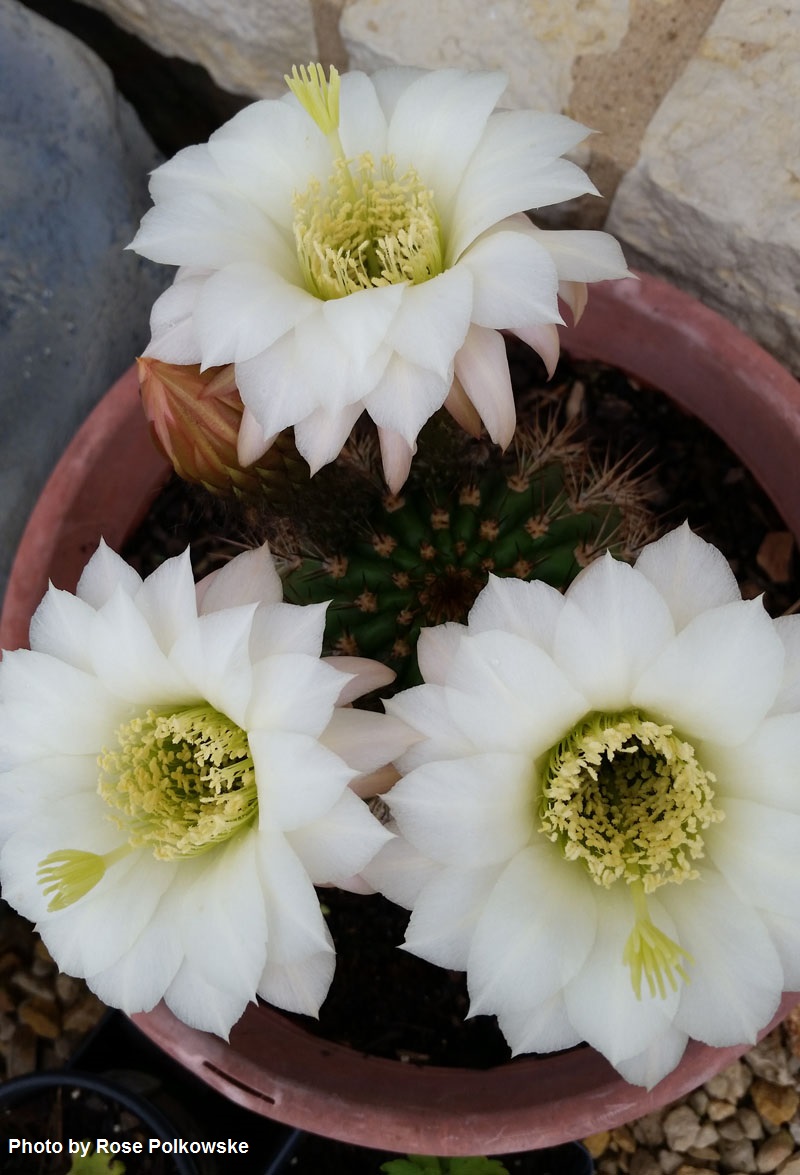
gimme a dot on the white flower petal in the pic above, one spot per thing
(362, 121)
(321, 435)
(613, 625)
(203, 1006)
(627, 1025)
(690, 574)
(437, 123)
(137, 981)
(474, 811)
(101, 576)
(167, 601)
(363, 676)
(432, 321)
(29, 787)
(506, 694)
(213, 657)
(364, 740)
(298, 779)
(543, 1029)
(529, 610)
(250, 578)
(49, 706)
(222, 923)
(405, 397)
(516, 284)
(545, 340)
(756, 849)
(268, 152)
(174, 339)
(446, 912)
(719, 676)
(299, 986)
(244, 308)
(297, 930)
(396, 454)
(399, 871)
(515, 168)
(271, 384)
(293, 692)
(482, 367)
(583, 255)
(287, 628)
(91, 935)
(427, 710)
(763, 768)
(656, 1061)
(194, 168)
(341, 842)
(252, 442)
(520, 955)
(785, 935)
(436, 648)
(735, 981)
(128, 660)
(60, 627)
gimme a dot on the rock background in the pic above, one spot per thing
(74, 307)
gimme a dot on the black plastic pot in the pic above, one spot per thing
(45, 1114)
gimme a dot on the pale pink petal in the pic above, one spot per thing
(463, 411)
(545, 340)
(482, 367)
(396, 455)
(365, 676)
(365, 740)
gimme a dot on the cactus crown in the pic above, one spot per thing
(403, 562)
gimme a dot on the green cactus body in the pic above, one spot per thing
(422, 557)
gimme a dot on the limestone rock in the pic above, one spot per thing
(74, 307)
(536, 42)
(681, 1128)
(737, 1155)
(775, 1103)
(774, 1151)
(731, 1084)
(714, 200)
(247, 47)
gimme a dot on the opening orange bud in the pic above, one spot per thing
(194, 418)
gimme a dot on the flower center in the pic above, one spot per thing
(180, 782)
(366, 228)
(628, 798)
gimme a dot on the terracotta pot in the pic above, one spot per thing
(103, 485)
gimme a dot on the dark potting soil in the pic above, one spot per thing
(383, 1000)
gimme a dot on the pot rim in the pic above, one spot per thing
(707, 366)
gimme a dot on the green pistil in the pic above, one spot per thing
(628, 799)
(181, 783)
(650, 953)
(365, 229)
(68, 874)
(318, 96)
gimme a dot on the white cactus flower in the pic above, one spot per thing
(359, 244)
(177, 772)
(602, 822)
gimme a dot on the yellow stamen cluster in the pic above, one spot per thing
(628, 798)
(366, 228)
(182, 782)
